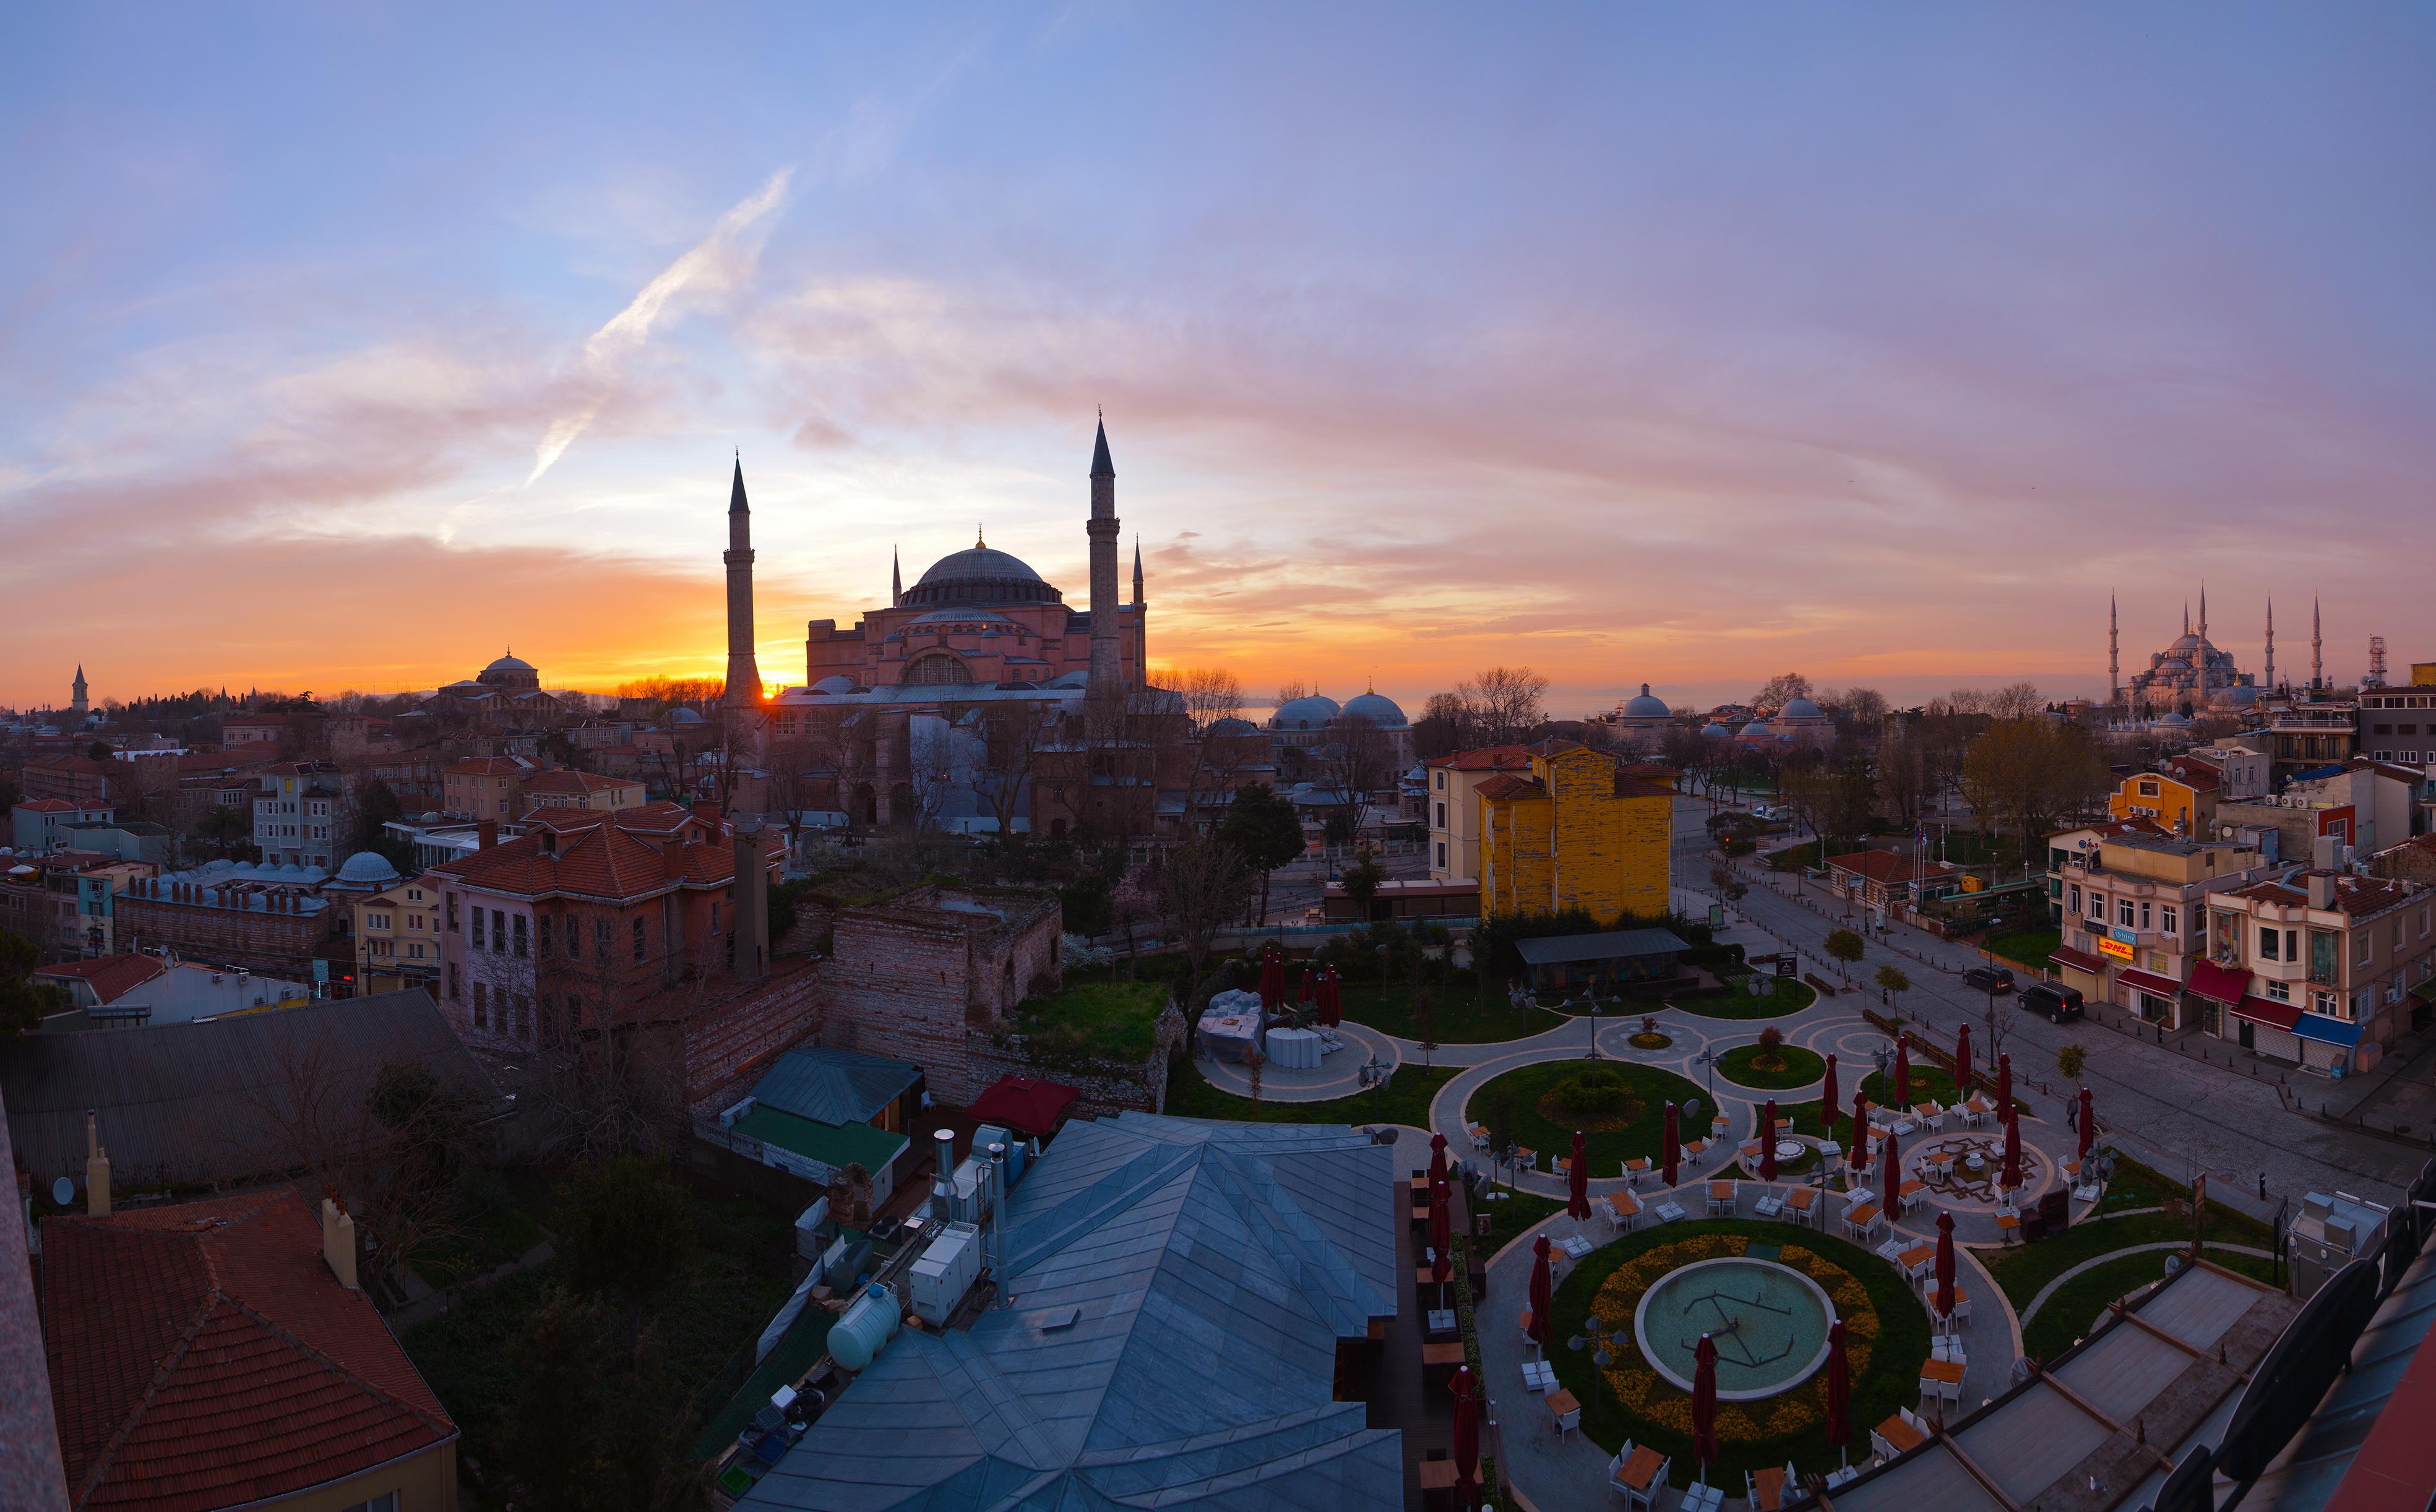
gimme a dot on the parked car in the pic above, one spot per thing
(2062, 1005)
(1763, 812)
(1988, 979)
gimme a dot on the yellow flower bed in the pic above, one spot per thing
(1648, 1395)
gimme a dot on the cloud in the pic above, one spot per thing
(722, 261)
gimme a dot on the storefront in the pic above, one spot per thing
(2327, 1043)
(2156, 998)
(2216, 992)
(2082, 972)
(2258, 1024)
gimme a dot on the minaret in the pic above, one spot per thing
(1138, 573)
(2113, 656)
(895, 581)
(2202, 656)
(1141, 620)
(2317, 649)
(78, 706)
(743, 676)
(1107, 667)
(2271, 643)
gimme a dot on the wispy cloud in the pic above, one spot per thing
(722, 261)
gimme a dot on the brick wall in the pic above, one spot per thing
(1107, 1088)
(734, 1040)
(282, 943)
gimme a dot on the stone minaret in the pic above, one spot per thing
(1141, 619)
(2114, 654)
(1107, 665)
(2202, 657)
(744, 675)
(895, 581)
(78, 706)
(2317, 648)
(2271, 644)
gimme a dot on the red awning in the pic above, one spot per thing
(2262, 1011)
(2149, 981)
(1024, 1104)
(2064, 955)
(2224, 984)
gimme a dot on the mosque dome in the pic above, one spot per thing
(1231, 725)
(1801, 708)
(1716, 731)
(510, 664)
(367, 868)
(1310, 712)
(1645, 707)
(1377, 708)
(685, 716)
(1756, 730)
(978, 575)
(2177, 717)
(2238, 696)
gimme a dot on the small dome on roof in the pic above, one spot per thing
(834, 682)
(1231, 726)
(1756, 730)
(1310, 712)
(2175, 718)
(368, 867)
(1801, 708)
(1645, 707)
(1716, 731)
(685, 716)
(1377, 708)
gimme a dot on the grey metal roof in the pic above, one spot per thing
(1615, 945)
(834, 1085)
(185, 1104)
(1210, 1270)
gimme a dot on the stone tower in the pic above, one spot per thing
(744, 675)
(76, 704)
(2317, 648)
(2113, 656)
(1107, 669)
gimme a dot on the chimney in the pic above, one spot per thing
(486, 833)
(752, 936)
(2321, 890)
(338, 1243)
(97, 1170)
(943, 1185)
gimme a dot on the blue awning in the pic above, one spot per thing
(2326, 1031)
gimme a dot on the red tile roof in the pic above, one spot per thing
(75, 763)
(1487, 758)
(1636, 787)
(596, 859)
(111, 977)
(489, 767)
(563, 780)
(56, 806)
(2354, 896)
(1505, 787)
(202, 1356)
(1888, 868)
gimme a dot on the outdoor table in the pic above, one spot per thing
(1721, 1194)
(1902, 1436)
(1692, 1148)
(1635, 1169)
(1905, 1193)
(1421, 1184)
(1442, 1320)
(1293, 1049)
(1561, 1402)
(1435, 1355)
(1916, 1259)
(1625, 1204)
(1925, 1111)
(1562, 1165)
(1938, 1376)
(1767, 1489)
(1479, 1133)
(2009, 1227)
(1863, 1216)
(1437, 1475)
(1527, 1159)
(1801, 1200)
(1641, 1467)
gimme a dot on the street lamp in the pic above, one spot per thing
(1596, 1009)
(1374, 1077)
(1602, 1342)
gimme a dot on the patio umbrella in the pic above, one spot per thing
(1304, 996)
(1466, 1435)
(1438, 1158)
(1962, 1061)
(1902, 1072)
(1944, 1263)
(1827, 1108)
(1441, 1235)
(1859, 1159)
(2013, 1149)
(1839, 1389)
(2003, 1084)
(1889, 1175)
(1577, 1177)
(1273, 979)
(1704, 1404)
(1332, 996)
(1543, 1297)
(1673, 1150)
(2088, 1124)
(1768, 1141)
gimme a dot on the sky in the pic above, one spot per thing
(348, 347)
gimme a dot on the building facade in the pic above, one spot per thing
(485, 788)
(299, 816)
(1455, 806)
(2180, 803)
(2320, 966)
(2132, 905)
(1574, 832)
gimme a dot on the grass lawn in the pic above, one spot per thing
(2077, 1305)
(1797, 1068)
(1637, 1128)
(1927, 1082)
(1809, 855)
(1095, 1020)
(2023, 1269)
(2028, 947)
(1406, 1099)
(1466, 1016)
(1510, 1215)
(1785, 995)
(735, 1281)
(1663, 1419)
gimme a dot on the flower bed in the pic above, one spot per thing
(1886, 1340)
(1784, 996)
(1636, 1127)
(1795, 1067)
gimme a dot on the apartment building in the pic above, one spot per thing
(298, 814)
(397, 938)
(2132, 904)
(485, 788)
(1455, 806)
(2319, 966)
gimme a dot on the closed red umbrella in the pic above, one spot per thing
(1859, 1157)
(1441, 1235)
(1673, 1150)
(1273, 979)
(1438, 1158)
(1827, 1109)
(1577, 1177)
(2088, 1124)
(1466, 1435)
(1304, 995)
(1902, 1072)
(1944, 1263)
(2013, 1149)
(1839, 1389)
(1704, 1404)
(1543, 1295)
(1890, 1174)
(1331, 991)
(1768, 1141)
(2004, 1085)
(1962, 1061)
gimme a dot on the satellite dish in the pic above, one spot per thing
(64, 1192)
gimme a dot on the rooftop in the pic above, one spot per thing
(1613, 945)
(834, 1085)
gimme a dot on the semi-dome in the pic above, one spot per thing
(1801, 708)
(1310, 712)
(367, 868)
(1231, 725)
(1645, 707)
(834, 683)
(1377, 708)
(978, 575)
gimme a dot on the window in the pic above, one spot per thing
(1441, 826)
(1442, 855)
(2280, 991)
(2363, 947)
(2423, 921)
(477, 928)
(481, 1005)
(2270, 945)
(2144, 914)
(600, 939)
(499, 932)
(2123, 911)
(2075, 900)
(1441, 776)
(714, 918)
(638, 939)
(541, 935)
(452, 913)
(520, 935)
(386, 1502)
(2097, 907)
(456, 992)
(503, 808)
(2168, 921)
(2148, 789)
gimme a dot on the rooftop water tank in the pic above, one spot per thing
(864, 1328)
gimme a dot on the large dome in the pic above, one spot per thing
(510, 664)
(1377, 708)
(367, 868)
(1799, 708)
(978, 575)
(1310, 712)
(1647, 706)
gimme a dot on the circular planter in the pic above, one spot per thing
(1802, 1067)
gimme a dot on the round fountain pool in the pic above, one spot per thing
(1769, 1321)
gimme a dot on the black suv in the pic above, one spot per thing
(1988, 979)
(2060, 1005)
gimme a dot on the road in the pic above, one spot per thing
(2176, 1113)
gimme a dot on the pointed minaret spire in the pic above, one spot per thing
(895, 581)
(2317, 648)
(2270, 642)
(2201, 654)
(2114, 654)
(1107, 675)
(743, 673)
(2187, 616)
(1138, 572)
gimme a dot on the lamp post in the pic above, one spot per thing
(1374, 1077)
(1596, 1011)
(1601, 1341)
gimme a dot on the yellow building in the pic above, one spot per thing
(2183, 804)
(1574, 832)
(397, 938)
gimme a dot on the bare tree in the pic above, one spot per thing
(1902, 774)
(1014, 735)
(2016, 701)
(2024, 773)
(1205, 885)
(1210, 694)
(1292, 689)
(1780, 690)
(1504, 705)
(1867, 706)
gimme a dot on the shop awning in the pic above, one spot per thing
(2224, 984)
(2064, 955)
(2425, 991)
(2263, 1011)
(2149, 981)
(2327, 1031)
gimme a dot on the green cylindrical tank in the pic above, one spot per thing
(864, 1328)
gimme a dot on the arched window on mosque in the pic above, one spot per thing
(937, 668)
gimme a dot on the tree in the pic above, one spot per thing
(2071, 1061)
(623, 1228)
(1902, 775)
(1844, 947)
(2017, 700)
(376, 805)
(1444, 727)
(1865, 706)
(1210, 694)
(1892, 982)
(1361, 883)
(1253, 1061)
(2023, 774)
(23, 1003)
(644, 1463)
(552, 1417)
(1204, 886)
(1780, 690)
(1292, 689)
(1014, 733)
(1503, 705)
(1264, 829)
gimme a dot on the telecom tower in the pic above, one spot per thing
(2376, 677)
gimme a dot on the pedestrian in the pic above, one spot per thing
(2262, 1185)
